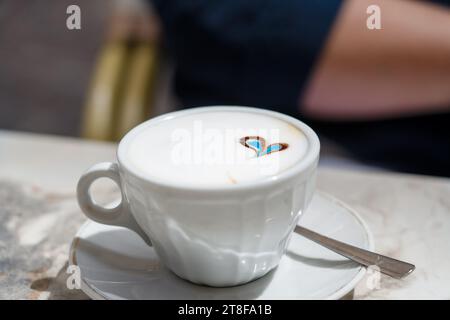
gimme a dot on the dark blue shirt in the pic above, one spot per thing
(245, 52)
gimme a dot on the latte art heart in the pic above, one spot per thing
(258, 144)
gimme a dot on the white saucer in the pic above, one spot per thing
(116, 264)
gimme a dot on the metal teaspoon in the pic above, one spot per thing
(392, 267)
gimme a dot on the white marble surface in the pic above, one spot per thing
(409, 217)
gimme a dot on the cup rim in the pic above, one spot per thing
(303, 165)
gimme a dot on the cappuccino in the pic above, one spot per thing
(216, 191)
(216, 148)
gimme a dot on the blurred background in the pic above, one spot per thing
(45, 68)
(50, 75)
(135, 59)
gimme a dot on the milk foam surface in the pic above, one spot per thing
(205, 149)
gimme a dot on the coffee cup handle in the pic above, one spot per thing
(117, 216)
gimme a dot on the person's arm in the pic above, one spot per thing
(402, 69)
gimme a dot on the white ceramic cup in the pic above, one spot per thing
(219, 236)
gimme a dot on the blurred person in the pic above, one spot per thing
(383, 95)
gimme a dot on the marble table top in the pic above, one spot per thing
(409, 217)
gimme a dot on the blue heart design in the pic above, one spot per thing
(258, 144)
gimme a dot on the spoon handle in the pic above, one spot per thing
(392, 267)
